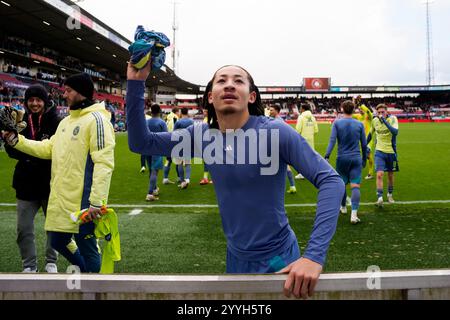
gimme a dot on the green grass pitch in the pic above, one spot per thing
(186, 239)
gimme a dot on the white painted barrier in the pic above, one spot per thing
(431, 284)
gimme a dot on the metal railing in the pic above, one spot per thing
(432, 284)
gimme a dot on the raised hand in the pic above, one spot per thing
(135, 74)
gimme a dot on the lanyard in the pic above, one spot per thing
(30, 121)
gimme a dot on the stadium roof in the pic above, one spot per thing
(352, 89)
(49, 22)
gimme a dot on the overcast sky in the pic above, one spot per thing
(355, 42)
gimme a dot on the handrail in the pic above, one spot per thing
(408, 284)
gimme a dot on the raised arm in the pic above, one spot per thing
(367, 113)
(140, 139)
(392, 128)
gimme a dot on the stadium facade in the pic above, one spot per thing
(47, 40)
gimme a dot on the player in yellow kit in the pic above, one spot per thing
(365, 115)
(385, 131)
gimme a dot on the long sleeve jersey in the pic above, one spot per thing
(349, 134)
(249, 193)
(385, 132)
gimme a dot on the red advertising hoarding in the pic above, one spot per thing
(41, 58)
(316, 84)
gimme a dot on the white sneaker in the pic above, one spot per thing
(167, 181)
(151, 197)
(343, 210)
(51, 268)
(369, 177)
(380, 202)
(354, 219)
(184, 185)
(299, 176)
(156, 192)
(142, 170)
(29, 270)
(390, 198)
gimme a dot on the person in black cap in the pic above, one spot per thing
(79, 91)
(32, 177)
(82, 153)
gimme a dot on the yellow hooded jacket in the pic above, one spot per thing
(170, 121)
(82, 154)
(307, 127)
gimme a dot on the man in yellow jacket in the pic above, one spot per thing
(306, 127)
(365, 115)
(82, 154)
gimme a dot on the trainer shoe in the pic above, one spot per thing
(204, 181)
(380, 202)
(183, 185)
(299, 176)
(292, 190)
(142, 170)
(156, 192)
(390, 198)
(343, 210)
(29, 270)
(167, 181)
(368, 177)
(151, 197)
(354, 219)
(51, 268)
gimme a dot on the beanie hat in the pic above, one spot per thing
(81, 83)
(39, 91)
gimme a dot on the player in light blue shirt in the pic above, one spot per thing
(349, 163)
(249, 176)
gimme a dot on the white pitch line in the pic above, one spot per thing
(215, 206)
(135, 212)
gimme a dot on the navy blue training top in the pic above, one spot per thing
(349, 134)
(250, 194)
(156, 125)
(183, 123)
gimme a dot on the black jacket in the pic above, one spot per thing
(32, 175)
